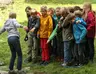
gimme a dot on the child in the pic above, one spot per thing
(90, 20)
(33, 26)
(79, 32)
(46, 27)
(11, 26)
(27, 10)
(77, 8)
(68, 38)
(71, 9)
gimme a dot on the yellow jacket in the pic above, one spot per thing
(46, 26)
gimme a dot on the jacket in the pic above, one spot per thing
(79, 30)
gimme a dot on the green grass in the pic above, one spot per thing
(52, 68)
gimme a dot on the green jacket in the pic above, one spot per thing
(54, 33)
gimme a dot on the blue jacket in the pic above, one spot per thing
(79, 30)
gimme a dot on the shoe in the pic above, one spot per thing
(45, 63)
(64, 64)
(21, 72)
(1, 63)
(12, 72)
(42, 62)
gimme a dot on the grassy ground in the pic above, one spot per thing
(52, 68)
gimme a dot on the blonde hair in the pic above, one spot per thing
(43, 8)
(12, 15)
(78, 13)
(88, 5)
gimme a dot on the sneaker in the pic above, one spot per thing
(1, 63)
(12, 72)
(45, 63)
(42, 62)
(64, 64)
(21, 72)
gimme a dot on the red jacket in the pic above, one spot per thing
(90, 24)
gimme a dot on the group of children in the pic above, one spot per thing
(67, 33)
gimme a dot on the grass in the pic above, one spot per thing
(52, 68)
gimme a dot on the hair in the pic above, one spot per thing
(77, 8)
(64, 10)
(88, 5)
(51, 9)
(28, 7)
(94, 12)
(71, 9)
(33, 11)
(12, 15)
(78, 13)
(70, 16)
(43, 8)
(58, 8)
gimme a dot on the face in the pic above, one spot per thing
(50, 12)
(43, 12)
(85, 8)
(63, 13)
(33, 14)
(28, 11)
(58, 12)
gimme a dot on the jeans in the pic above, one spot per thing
(79, 52)
(15, 48)
(32, 47)
(91, 48)
(67, 52)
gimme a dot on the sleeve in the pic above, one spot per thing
(54, 33)
(37, 24)
(2, 30)
(91, 21)
(83, 23)
(84, 31)
(65, 22)
(50, 28)
(17, 24)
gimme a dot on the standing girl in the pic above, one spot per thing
(46, 27)
(90, 20)
(11, 26)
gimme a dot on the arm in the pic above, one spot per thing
(81, 22)
(53, 33)
(91, 20)
(2, 30)
(84, 31)
(65, 22)
(50, 27)
(17, 24)
(37, 24)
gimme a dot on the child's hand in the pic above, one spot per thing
(48, 41)
(25, 28)
(77, 22)
(32, 30)
(38, 36)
